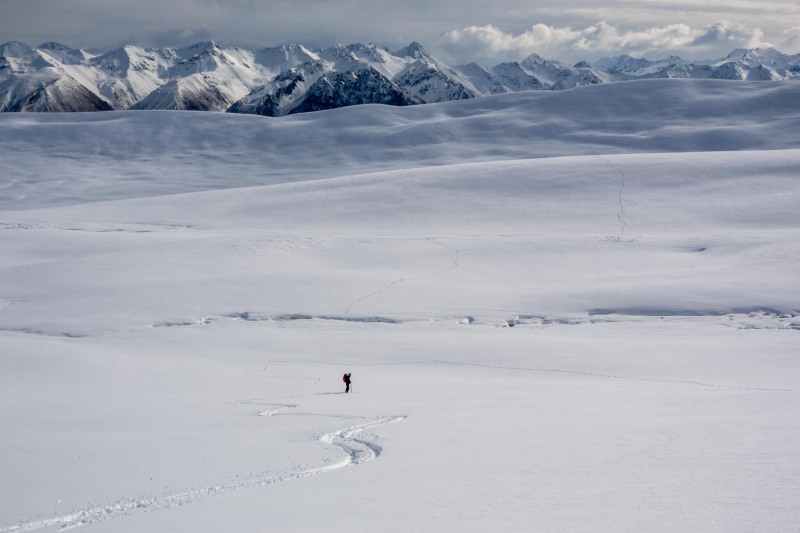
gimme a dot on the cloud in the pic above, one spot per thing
(736, 34)
(601, 39)
(791, 40)
(167, 38)
(486, 32)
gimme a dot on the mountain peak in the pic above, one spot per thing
(198, 51)
(369, 52)
(63, 53)
(55, 46)
(414, 51)
(336, 53)
(755, 56)
(15, 49)
(203, 45)
(534, 59)
(623, 63)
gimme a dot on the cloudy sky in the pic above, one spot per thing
(454, 30)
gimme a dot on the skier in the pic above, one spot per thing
(346, 379)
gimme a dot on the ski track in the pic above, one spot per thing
(357, 451)
(621, 212)
(278, 407)
(403, 280)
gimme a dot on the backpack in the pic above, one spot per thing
(344, 378)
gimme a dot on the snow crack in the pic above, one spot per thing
(248, 316)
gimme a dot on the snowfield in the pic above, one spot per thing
(563, 311)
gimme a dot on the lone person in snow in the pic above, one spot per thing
(346, 379)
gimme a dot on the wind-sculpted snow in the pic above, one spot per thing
(60, 160)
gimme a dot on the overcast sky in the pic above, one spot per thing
(456, 31)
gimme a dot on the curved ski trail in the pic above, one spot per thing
(357, 451)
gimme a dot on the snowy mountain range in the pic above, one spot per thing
(292, 78)
(576, 310)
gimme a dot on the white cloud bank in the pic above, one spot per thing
(791, 39)
(489, 43)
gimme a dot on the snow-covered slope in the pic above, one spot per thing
(33, 81)
(513, 78)
(429, 80)
(127, 75)
(484, 81)
(204, 77)
(602, 341)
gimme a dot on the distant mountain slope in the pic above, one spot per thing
(291, 78)
(32, 80)
(204, 77)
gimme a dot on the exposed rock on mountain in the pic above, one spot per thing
(342, 89)
(292, 79)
